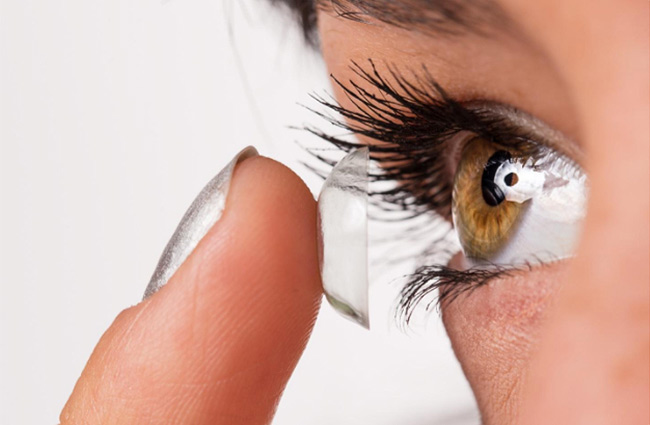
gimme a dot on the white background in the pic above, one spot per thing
(114, 114)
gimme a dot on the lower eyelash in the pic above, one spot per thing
(450, 284)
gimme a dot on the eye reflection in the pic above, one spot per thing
(482, 216)
(509, 207)
(492, 193)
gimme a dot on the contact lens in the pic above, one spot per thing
(343, 236)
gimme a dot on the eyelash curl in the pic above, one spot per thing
(410, 123)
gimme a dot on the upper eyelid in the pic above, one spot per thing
(540, 131)
(528, 127)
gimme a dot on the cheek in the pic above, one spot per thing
(494, 331)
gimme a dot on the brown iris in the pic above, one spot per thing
(484, 219)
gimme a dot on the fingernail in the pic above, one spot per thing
(206, 209)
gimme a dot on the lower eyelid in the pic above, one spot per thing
(498, 288)
(439, 286)
(518, 300)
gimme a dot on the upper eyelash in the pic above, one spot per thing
(413, 121)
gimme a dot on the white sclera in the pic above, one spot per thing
(343, 236)
(549, 228)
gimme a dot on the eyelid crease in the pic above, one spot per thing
(539, 130)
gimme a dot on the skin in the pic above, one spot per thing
(218, 343)
(564, 343)
(555, 335)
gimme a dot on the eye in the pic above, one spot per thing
(510, 206)
(508, 181)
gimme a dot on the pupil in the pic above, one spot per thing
(492, 194)
(511, 179)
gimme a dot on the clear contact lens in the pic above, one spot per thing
(343, 236)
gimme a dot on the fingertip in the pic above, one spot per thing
(253, 286)
(221, 339)
(271, 207)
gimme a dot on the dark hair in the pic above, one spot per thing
(446, 17)
(304, 13)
